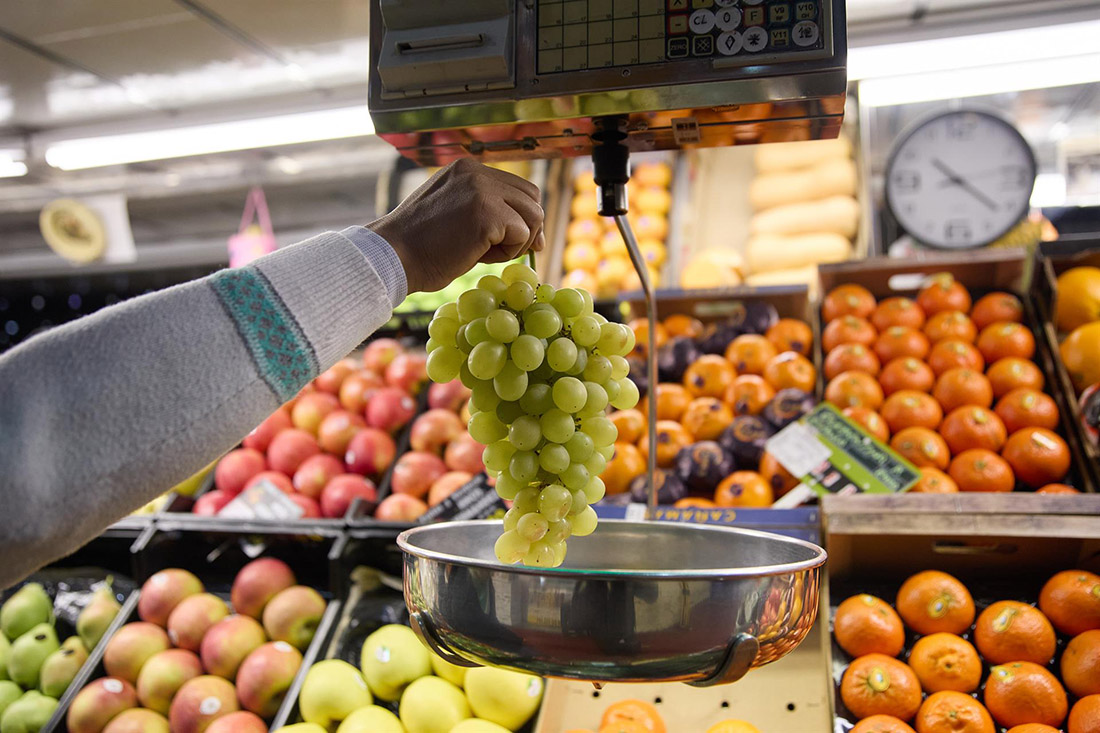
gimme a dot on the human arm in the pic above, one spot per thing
(99, 416)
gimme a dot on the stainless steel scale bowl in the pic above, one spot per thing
(634, 602)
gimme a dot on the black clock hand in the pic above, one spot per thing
(962, 183)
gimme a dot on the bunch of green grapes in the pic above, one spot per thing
(543, 368)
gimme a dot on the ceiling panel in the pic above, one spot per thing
(43, 21)
(295, 25)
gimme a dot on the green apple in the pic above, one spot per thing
(302, 728)
(432, 705)
(371, 719)
(391, 658)
(477, 725)
(451, 672)
(503, 697)
(332, 690)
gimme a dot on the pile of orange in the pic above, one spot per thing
(639, 716)
(949, 383)
(715, 389)
(968, 672)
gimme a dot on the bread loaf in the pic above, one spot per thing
(768, 252)
(838, 214)
(779, 157)
(833, 177)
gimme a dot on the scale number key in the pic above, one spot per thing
(805, 33)
(729, 43)
(727, 19)
(702, 21)
(805, 10)
(755, 38)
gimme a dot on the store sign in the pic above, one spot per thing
(800, 522)
(830, 454)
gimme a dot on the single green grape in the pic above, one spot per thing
(554, 503)
(431, 345)
(444, 363)
(600, 429)
(584, 523)
(476, 332)
(538, 398)
(466, 376)
(557, 425)
(483, 396)
(587, 301)
(527, 500)
(612, 388)
(561, 354)
(447, 310)
(569, 394)
(595, 464)
(580, 364)
(519, 295)
(594, 490)
(511, 518)
(607, 451)
(443, 329)
(553, 458)
(568, 302)
(580, 447)
(525, 433)
(559, 531)
(524, 466)
(541, 555)
(579, 502)
(613, 339)
(507, 412)
(585, 331)
(519, 272)
(494, 285)
(627, 396)
(596, 399)
(502, 325)
(598, 369)
(497, 455)
(461, 342)
(511, 383)
(527, 352)
(487, 359)
(511, 547)
(576, 476)
(544, 293)
(543, 323)
(485, 428)
(475, 304)
(620, 367)
(532, 526)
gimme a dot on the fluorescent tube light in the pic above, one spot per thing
(11, 163)
(219, 137)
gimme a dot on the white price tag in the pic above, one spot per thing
(798, 449)
(262, 501)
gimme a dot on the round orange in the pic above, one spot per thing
(911, 409)
(706, 418)
(1010, 631)
(791, 369)
(1038, 456)
(981, 470)
(932, 601)
(750, 353)
(898, 341)
(997, 307)
(1024, 692)
(1011, 373)
(848, 330)
(744, 489)
(947, 355)
(882, 724)
(1071, 600)
(876, 684)
(942, 293)
(897, 312)
(624, 726)
(680, 325)
(709, 376)
(953, 712)
(922, 447)
(671, 437)
(906, 373)
(749, 394)
(640, 327)
(865, 624)
(630, 424)
(633, 711)
(627, 464)
(791, 334)
(934, 481)
(779, 478)
(960, 387)
(1027, 408)
(946, 662)
(1085, 716)
(1056, 489)
(672, 400)
(851, 357)
(854, 389)
(950, 326)
(1033, 728)
(1081, 664)
(1000, 340)
(870, 420)
(973, 427)
(847, 300)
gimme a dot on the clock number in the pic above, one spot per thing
(907, 181)
(961, 127)
(957, 230)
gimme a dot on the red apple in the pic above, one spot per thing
(315, 472)
(337, 430)
(341, 490)
(464, 454)
(331, 379)
(162, 676)
(379, 353)
(210, 503)
(408, 371)
(131, 647)
(163, 591)
(95, 705)
(199, 702)
(446, 485)
(258, 582)
(241, 721)
(309, 410)
(400, 508)
(293, 615)
(289, 448)
(448, 395)
(266, 675)
(310, 508)
(261, 435)
(236, 468)
(192, 618)
(228, 642)
(434, 429)
(370, 452)
(389, 409)
(415, 472)
(357, 389)
(280, 480)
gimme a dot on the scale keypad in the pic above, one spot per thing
(575, 35)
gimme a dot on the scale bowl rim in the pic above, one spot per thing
(820, 556)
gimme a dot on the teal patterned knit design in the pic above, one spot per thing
(282, 353)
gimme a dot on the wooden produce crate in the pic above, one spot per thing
(1001, 546)
(1054, 258)
(981, 272)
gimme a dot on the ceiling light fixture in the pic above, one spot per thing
(11, 163)
(219, 137)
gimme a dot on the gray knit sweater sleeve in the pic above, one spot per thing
(99, 416)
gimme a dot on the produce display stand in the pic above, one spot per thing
(1052, 259)
(981, 272)
(999, 545)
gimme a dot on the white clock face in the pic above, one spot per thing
(961, 179)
